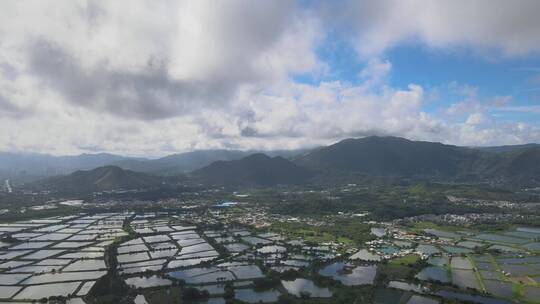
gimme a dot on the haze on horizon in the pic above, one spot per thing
(158, 77)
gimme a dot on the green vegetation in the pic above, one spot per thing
(109, 289)
(348, 231)
(30, 214)
(172, 295)
(389, 272)
(385, 202)
(194, 294)
(407, 260)
(270, 281)
(344, 295)
(99, 179)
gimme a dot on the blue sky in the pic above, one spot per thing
(414, 62)
(490, 73)
(432, 68)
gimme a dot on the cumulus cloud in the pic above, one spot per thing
(158, 77)
(155, 60)
(508, 28)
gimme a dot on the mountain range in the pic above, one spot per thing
(349, 160)
(31, 166)
(186, 162)
(35, 164)
(380, 158)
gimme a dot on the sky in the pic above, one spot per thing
(151, 78)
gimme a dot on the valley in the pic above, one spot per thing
(244, 249)
(374, 220)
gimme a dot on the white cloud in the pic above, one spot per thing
(151, 78)
(475, 119)
(509, 28)
(376, 72)
(153, 60)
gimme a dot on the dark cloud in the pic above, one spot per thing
(147, 95)
(8, 107)
(8, 71)
(249, 132)
(182, 74)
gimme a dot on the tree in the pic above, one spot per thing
(229, 292)
(191, 293)
(305, 295)
(285, 299)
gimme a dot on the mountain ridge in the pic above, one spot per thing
(99, 179)
(255, 169)
(36, 165)
(388, 156)
(350, 160)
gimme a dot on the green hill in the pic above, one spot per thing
(382, 156)
(100, 179)
(256, 169)
(400, 158)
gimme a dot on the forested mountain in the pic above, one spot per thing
(99, 179)
(401, 158)
(351, 160)
(256, 169)
(179, 163)
(508, 148)
(381, 156)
